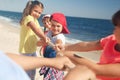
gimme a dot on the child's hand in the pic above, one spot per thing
(46, 40)
(41, 42)
(59, 47)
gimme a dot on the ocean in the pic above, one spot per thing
(82, 29)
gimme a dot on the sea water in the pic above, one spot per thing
(81, 29)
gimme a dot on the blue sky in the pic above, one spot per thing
(102, 9)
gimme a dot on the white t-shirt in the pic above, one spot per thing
(9, 70)
(54, 38)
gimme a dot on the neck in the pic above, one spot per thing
(117, 47)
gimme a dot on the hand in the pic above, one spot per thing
(46, 40)
(41, 42)
(59, 47)
(63, 63)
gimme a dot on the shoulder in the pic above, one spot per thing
(9, 66)
(60, 36)
(110, 37)
(28, 19)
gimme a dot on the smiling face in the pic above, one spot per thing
(56, 27)
(36, 11)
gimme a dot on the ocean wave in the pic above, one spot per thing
(5, 19)
(9, 21)
(72, 40)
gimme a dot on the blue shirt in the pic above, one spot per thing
(9, 70)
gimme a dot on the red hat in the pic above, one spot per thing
(60, 18)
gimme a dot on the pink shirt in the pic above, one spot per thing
(109, 54)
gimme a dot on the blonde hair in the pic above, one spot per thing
(30, 5)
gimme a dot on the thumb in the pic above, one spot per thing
(69, 66)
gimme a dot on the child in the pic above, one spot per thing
(30, 29)
(58, 28)
(46, 22)
(108, 67)
(47, 25)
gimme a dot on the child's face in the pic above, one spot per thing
(46, 22)
(117, 33)
(56, 27)
(36, 11)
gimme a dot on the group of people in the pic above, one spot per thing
(53, 64)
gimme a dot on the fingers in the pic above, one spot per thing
(69, 65)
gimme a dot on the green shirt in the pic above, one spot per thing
(28, 38)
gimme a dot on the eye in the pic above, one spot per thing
(58, 26)
(37, 11)
(53, 25)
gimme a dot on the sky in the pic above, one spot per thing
(101, 9)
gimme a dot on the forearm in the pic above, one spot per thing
(108, 70)
(40, 33)
(80, 73)
(37, 31)
(29, 63)
(84, 46)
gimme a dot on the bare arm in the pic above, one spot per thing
(29, 63)
(108, 70)
(80, 73)
(37, 31)
(84, 46)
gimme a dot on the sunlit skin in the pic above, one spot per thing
(56, 27)
(36, 11)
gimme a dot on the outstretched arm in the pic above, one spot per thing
(84, 46)
(29, 63)
(80, 73)
(108, 70)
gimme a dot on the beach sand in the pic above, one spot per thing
(9, 42)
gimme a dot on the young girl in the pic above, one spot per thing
(58, 28)
(30, 29)
(47, 25)
(46, 22)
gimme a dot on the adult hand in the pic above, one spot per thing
(63, 63)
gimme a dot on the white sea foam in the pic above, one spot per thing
(10, 21)
(71, 40)
(5, 19)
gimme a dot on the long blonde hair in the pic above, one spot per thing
(30, 5)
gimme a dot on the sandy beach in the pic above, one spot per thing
(9, 42)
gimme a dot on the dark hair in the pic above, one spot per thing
(34, 3)
(116, 18)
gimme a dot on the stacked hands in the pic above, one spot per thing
(68, 64)
(57, 47)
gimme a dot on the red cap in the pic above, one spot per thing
(60, 18)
